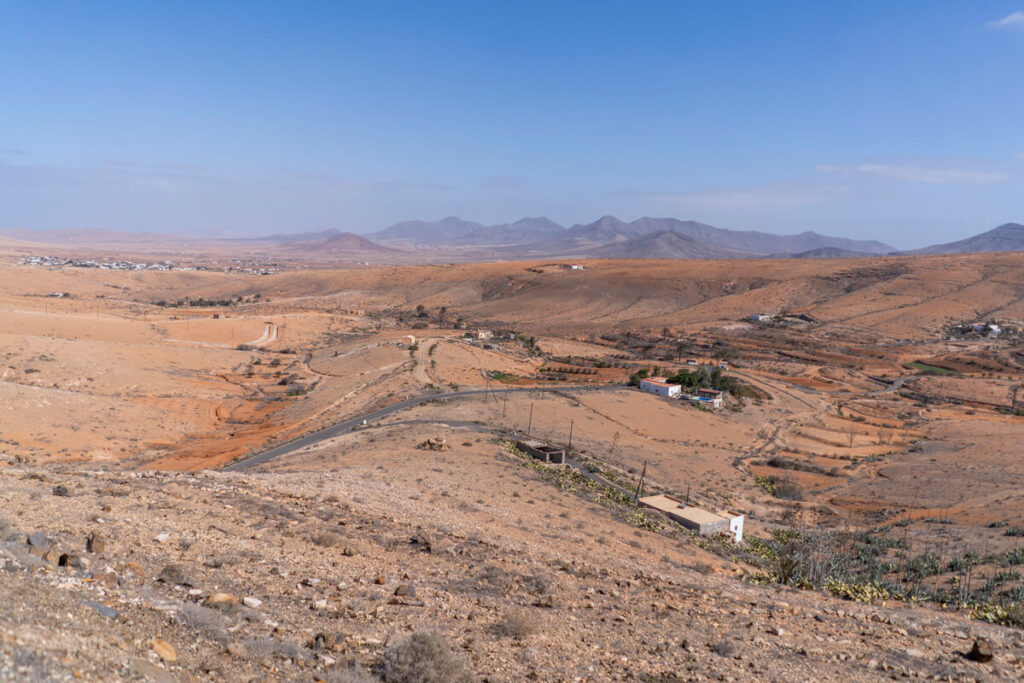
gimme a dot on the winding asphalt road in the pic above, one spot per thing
(343, 427)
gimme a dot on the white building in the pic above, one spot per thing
(704, 522)
(707, 397)
(658, 385)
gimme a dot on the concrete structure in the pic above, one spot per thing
(658, 385)
(541, 451)
(704, 522)
(480, 335)
(712, 397)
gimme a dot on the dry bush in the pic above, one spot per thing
(424, 657)
(350, 672)
(786, 488)
(516, 623)
(265, 646)
(538, 584)
(326, 539)
(209, 623)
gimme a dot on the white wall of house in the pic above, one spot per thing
(736, 529)
(669, 390)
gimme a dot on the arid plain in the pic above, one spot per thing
(874, 432)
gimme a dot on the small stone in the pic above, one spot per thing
(406, 590)
(151, 671)
(38, 540)
(107, 579)
(61, 490)
(324, 641)
(94, 543)
(163, 650)
(222, 601)
(133, 568)
(162, 537)
(421, 539)
(236, 650)
(981, 651)
(174, 575)
(320, 604)
(252, 603)
(51, 557)
(103, 610)
(776, 631)
(73, 561)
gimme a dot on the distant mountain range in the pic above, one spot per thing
(1007, 237)
(666, 243)
(540, 237)
(453, 231)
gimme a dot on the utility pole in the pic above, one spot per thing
(640, 484)
(615, 442)
(529, 425)
(504, 404)
(570, 434)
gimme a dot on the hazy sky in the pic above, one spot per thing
(900, 121)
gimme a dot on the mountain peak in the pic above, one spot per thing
(1006, 237)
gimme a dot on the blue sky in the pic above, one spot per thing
(898, 121)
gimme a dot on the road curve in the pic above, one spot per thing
(344, 426)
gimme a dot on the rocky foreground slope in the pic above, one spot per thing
(109, 575)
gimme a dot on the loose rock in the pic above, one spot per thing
(981, 651)
(163, 650)
(221, 601)
(94, 543)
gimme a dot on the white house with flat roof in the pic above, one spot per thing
(704, 522)
(658, 385)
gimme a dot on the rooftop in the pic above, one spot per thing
(676, 507)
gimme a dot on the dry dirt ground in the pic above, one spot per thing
(107, 393)
(522, 581)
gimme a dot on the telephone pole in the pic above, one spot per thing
(570, 434)
(640, 484)
(529, 425)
